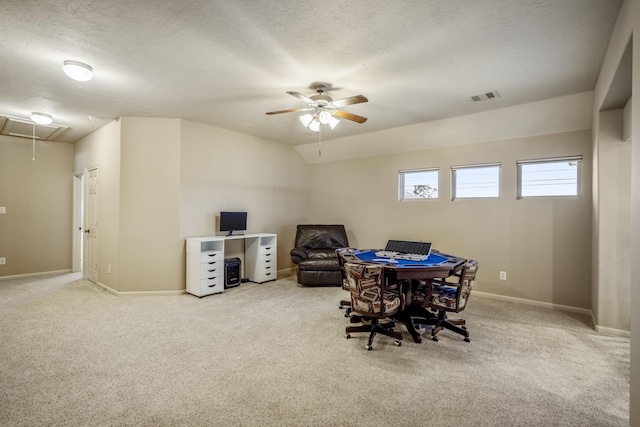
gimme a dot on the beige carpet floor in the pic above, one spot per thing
(274, 354)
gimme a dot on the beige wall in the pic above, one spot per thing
(543, 244)
(227, 171)
(549, 116)
(162, 180)
(36, 231)
(101, 149)
(628, 22)
(151, 254)
(611, 266)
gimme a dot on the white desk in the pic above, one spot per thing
(205, 261)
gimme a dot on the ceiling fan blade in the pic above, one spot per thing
(292, 110)
(349, 101)
(302, 97)
(349, 116)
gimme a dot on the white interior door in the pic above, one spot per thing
(91, 226)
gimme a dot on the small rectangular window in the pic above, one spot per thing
(476, 181)
(418, 184)
(549, 177)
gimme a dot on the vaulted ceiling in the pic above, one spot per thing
(226, 63)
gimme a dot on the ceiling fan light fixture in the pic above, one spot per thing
(324, 116)
(314, 125)
(306, 119)
(77, 70)
(41, 118)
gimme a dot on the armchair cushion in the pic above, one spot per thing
(315, 256)
(309, 236)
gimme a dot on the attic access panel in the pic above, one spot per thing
(23, 128)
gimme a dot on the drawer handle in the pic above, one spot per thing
(268, 260)
(212, 254)
(211, 263)
(267, 248)
(211, 286)
(211, 271)
(267, 267)
(268, 274)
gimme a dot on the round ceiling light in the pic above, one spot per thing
(78, 70)
(41, 118)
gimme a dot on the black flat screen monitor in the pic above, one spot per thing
(233, 221)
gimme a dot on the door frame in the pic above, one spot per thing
(77, 237)
(90, 231)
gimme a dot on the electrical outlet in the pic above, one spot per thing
(503, 275)
(3, 210)
(3, 261)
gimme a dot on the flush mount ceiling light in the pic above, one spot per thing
(41, 118)
(78, 70)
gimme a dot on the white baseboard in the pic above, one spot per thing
(43, 273)
(286, 272)
(559, 307)
(612, 331)
(140, 293)
(601, 329)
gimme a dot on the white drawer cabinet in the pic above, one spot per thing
(205, 267)
(261, 258)
(205, 261)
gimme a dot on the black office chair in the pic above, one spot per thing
(450, 297)
(372, 299)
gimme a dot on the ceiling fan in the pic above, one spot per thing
(323, 109)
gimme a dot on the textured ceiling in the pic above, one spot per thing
(226, 63)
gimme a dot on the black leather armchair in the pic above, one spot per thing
(315, 253)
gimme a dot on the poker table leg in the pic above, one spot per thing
(405, 317)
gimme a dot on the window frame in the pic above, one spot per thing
(401, 183)
(579, 184)
(454, 180)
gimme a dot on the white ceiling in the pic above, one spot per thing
(225, 63)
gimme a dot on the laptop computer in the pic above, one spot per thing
(409, 247)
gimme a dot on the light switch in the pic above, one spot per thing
(3, 210)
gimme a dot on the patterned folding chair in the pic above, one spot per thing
(372, 299)
(451, 297)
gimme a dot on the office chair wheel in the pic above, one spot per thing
(466, 339)
(347, 336)
(434, 338)
(398, 343)
(368, 347)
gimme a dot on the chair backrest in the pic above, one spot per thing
(319, 236)
(369, 295)
(341, 261)
(454, 296)
(467, 279)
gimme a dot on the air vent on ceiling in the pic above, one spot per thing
(24, 128)
(484, 96)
